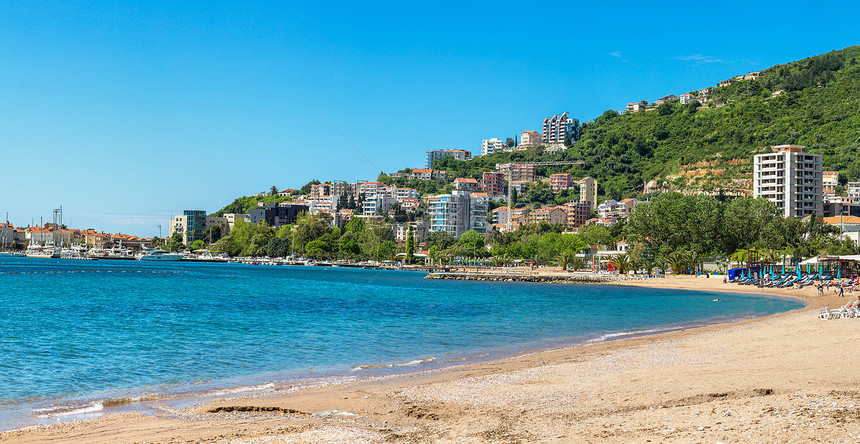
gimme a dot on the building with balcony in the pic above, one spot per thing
(493, 182)
(427, 174)
(686, 98)
(491, 146)
(435, 155)
(530, 138)
(518, 171)
(466, 184)
(830, 180)
(577, 214)
(556, 127)
(560, 182)
(664, 99)
(791, 179)
(636, 107)
(552, 215)
(588, 191)
(458, 212)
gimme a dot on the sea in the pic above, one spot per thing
(83, 338)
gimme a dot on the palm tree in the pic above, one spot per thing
(622, 262)
(273, 192)
(564, 258)
(577, 263)
(692, 259)
(677, 261)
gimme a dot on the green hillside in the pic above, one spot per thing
(708, 147)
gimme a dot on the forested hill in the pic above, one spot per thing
(712, 146)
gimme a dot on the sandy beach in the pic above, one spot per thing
(785, 378)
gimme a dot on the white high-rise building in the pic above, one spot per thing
(791, 179)
(491, 146)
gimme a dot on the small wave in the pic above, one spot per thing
(244, 389)
(394, 364)
(68, 410)
(621, 334)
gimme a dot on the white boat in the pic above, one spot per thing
(159, 255)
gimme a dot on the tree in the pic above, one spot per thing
(273, 192)
(621, 262)
(564, 259)
(175, 242)
(509, 142)
(473, 243)
(277, 247)
(410, 245)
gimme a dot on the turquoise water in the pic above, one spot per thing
(75, 332)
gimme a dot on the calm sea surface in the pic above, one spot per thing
(73, 333)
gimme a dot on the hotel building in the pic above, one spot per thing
(791, 179)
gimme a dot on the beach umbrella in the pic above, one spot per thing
(783, 268)
(820, 271)
(809, 268)
(839, 273)
(798, 271)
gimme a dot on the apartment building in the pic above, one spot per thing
(791, 179)
(556, 127)
(686, 98)
(466, 184)
(577, 214)
(419, 230)
(518, 171)
(552, 215)
(491, 146)
(588, 191)
(320, 189)
(458, 212)
(530, 138)
(853, 189)
(377, 204)
(435, 155)
(493, 182)
(830, 180)
(560, 182)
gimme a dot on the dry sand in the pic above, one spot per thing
(785, 378)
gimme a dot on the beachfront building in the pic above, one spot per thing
(458, 212)
(791, 179)
(493, 182)
(435, 155)
(490, 146)
(561, 181)
(518, 171)
(284, 214)
(190, 225)
(530, 138)
(588, 191)
(556, 127)
(849, 226)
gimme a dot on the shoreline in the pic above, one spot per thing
(374, 424)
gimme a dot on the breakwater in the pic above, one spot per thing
(567, 278)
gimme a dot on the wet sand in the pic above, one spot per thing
(785, 378)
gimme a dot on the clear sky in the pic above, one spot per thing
(127, 113)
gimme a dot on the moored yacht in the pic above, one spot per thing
(155, 254)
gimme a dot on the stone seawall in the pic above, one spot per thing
(571, 278)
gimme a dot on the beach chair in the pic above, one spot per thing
(824, 314)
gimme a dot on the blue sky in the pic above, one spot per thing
(127, 113)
